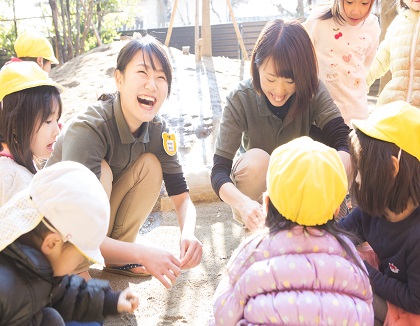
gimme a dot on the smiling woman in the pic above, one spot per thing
(125, 142)
(283, 100)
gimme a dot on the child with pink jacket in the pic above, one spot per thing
(302, 269)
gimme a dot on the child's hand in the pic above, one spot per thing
(128, 301)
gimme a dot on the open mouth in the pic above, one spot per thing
(146, 100)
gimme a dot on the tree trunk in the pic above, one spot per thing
(300, 10)
(58, 46)
(70, 49)
(63, 24)
(388, 13)
(206, 29)
(77, 42)
(88, 21)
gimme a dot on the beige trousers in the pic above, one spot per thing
(133, 197)
(249, 175)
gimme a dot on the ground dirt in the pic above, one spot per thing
(193, 110)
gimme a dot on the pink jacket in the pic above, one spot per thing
(293, 278)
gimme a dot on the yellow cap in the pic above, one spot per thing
(33, 45)
(16, 76)
(396, 122)
(306, 181)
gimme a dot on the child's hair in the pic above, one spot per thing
(35, 237)
(372, 159)
(276, 222)
(403, 5)
(150, 47)
(44, 61)
(22, 115)
(334, 12)
(292, 52)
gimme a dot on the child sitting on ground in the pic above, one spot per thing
(385, 153)
(46, 229)
(302, 269)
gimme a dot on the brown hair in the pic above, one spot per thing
(22, 115)
(150, 47)
(372, 159)
(403, 5)
(334, 12)
(291, 49)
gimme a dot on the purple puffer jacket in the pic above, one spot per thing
(293, 278)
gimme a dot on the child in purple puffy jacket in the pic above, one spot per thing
(302, 269)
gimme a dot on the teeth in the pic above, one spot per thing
(147, 98)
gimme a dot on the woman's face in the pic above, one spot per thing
(413, 4)
(355, 11)
(43, 140)
(142, 90)
(277, 89)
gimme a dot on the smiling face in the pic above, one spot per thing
(277, 89)
(355, 11)
(142, 88)
(44, 138)
(413, 4)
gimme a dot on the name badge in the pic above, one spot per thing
(169, 143)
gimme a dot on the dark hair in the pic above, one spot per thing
(150, 47)
(372, 159)
(276, 222)
(22, 115)
(290, 47)
(334, 12)
(36, 236)
(44, 61)
(403, 5)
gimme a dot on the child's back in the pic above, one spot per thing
(302, 270)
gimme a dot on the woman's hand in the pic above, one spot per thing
(252, 214)
(191, 252)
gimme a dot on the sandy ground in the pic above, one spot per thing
(193, 110)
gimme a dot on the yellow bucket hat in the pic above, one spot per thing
(306, 181)
(396, 122)
(16, 76)
(33, 45)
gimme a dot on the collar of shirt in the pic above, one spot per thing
(123, 129)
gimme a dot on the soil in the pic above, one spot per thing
(193, 110)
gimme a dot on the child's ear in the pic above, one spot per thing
(51, 242)
(40, 61)
(396, 165)
(336, 212)
(266, 201)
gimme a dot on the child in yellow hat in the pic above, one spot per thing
(33, 46)
(30, 109)
(385, 152)
(302, 269)
(46, 230)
